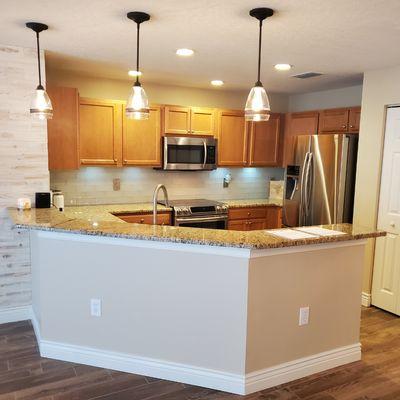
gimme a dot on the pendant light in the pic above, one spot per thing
(137, 106)
(41, 107)
(257, 105)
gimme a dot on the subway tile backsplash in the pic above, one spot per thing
(94, 185)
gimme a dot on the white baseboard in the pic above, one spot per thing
(301, 367)
(144, 366)
(220, 380)
(233, 383)
(366, 299)
(15, 314)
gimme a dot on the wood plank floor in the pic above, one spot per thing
(25, 375)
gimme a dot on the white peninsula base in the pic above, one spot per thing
(219, 317)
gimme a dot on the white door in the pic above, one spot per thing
(386, 279)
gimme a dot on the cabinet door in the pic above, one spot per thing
(177, 120)
(232, 138)
(265, 142)
(298, 123)
(333, 121)
(142, 140)
(237, 225)
(202, 121)
(162, 218)
(63, 129)
(256, 224)
(274, 217)
(354, 119)
(100, 123)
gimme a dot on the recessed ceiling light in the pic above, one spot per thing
(217, 82)
(184, 52)
(283, 67)
(134, 73)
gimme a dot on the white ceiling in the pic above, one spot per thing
(340, 38)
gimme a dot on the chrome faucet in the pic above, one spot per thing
(155, 198)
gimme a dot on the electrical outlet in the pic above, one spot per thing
(95, 307)
(304, 316)
(116, 184)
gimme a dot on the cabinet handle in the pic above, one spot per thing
(141, 220)
(392, 224)
(351, 126)
(344, 126)
(249, 213)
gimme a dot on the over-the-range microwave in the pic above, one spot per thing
(189, 153)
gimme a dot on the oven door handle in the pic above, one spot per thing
(205, 153)
(202, 219)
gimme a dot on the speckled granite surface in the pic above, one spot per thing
(98, 220)
(253, 203)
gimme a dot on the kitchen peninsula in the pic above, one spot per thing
(213, 308)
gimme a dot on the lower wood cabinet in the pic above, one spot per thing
(255, 218)
(141, 144)
(163, 218)
(100, 126)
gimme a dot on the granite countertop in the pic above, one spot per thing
(98, 220)
(253, 203)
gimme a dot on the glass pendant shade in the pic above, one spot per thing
(257, 105)
(137, 106)
(41, 107)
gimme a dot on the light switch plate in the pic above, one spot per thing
(95, 307)
(304, 316)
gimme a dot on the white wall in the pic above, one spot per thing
(93, 185)
(23, 170)
(381, 88)
(335, 98)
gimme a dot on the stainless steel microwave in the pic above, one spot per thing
(189, 153)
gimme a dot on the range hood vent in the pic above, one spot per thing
(307, 75)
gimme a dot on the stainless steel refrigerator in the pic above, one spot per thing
(319, 186)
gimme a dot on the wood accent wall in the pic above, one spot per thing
(23, 169)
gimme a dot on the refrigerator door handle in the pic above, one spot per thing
(307, 183)
(301, 208)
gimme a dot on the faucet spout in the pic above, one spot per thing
(155, 200)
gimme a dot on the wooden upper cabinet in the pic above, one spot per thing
(354, 119)
(232, 138)
(202, 121)
(63, 129)
(177, 120)
(189, 120)
(298, 123)
(100, 132)
(334, 120)
(265, 138)
(142, 140)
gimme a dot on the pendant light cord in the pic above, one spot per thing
(137, 53)
(38, 57)
(258, 83)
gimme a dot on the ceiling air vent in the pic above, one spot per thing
(307, 75)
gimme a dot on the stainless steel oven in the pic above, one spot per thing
(189, 153)
(199, 213)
